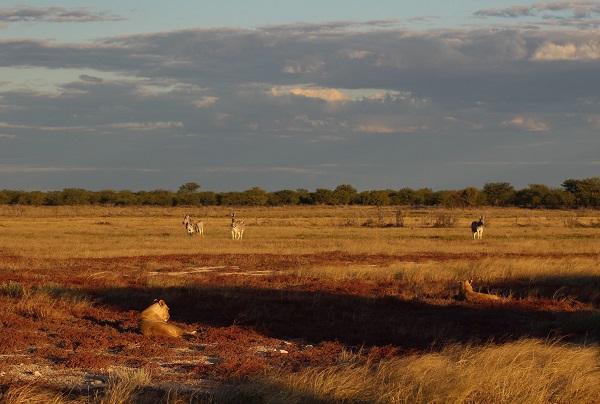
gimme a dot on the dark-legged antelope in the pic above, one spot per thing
(237, 228)
(477, 229)
(192, 226)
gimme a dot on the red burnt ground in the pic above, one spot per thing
(252, 325)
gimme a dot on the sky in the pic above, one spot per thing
(280, 94)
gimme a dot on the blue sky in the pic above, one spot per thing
(156, 15)
(233, 94)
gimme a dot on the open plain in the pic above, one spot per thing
(315, 304)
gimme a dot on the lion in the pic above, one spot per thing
(153, 321)
(471, 295)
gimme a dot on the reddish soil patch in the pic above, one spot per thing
(252, 325)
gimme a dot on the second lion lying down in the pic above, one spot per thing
(470, 295)
(153, 321)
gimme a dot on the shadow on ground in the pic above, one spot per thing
(314, 317)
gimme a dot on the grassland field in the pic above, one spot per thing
(316, 304)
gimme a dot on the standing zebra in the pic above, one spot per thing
(477, 228)
(192, 226)
(237, 228)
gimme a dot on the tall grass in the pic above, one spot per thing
(30, 394)
(43, 301)
(123, 384)
(526, 371)
(123, 387)
(11, 289)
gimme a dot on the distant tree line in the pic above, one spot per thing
(583, 193)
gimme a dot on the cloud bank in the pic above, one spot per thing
(54, 14)
(378, 105)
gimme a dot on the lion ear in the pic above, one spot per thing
(155, 300)
(161, 302)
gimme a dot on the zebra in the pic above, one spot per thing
(477, 228)
(192, 226)
(237, 228)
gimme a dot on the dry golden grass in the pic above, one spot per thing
(543, 255)
(123, 385)
(43, 302)
(31, 394)
(64, 232)
(527, 371)
(486, 269)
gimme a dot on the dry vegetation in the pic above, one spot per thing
(316, 304)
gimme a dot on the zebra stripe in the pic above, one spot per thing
(237, 228)
(192, 226)
(477, 229)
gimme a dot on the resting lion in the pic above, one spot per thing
(471, 295)
(153, 321)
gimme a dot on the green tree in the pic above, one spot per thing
(424, 197)
(344, 194)
(284, 197)
(532, 196)
(374, 198)
(188, 188)
(585, 191)
(255, 196)
(404, 196)
(451, 199)
(74, 196)
(323, 196)
(472, 196)
(498, 193)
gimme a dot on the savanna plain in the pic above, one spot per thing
(313, 305)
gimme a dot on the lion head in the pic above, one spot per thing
(154, 321)
(158, 311)
(467, 288)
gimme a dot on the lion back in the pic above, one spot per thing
(153, 321)
(151, 328)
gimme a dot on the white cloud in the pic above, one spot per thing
(358, 54)
(310, 65)
(341, 95)
(378, 128)
(331, 95)
(527, 123)
(134, 126)
(205, 101)
(569, 51)
(45, 127)
(34, 168)
(513, 11)
(46, 81)
(384, 128)
(54, 14)
(146, 126)
(578, 9)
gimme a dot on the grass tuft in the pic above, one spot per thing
(123, 384)
(11, 289)
(30, 394)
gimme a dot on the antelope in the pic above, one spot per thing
(477, 229)
(192, 226)
(237, 228)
